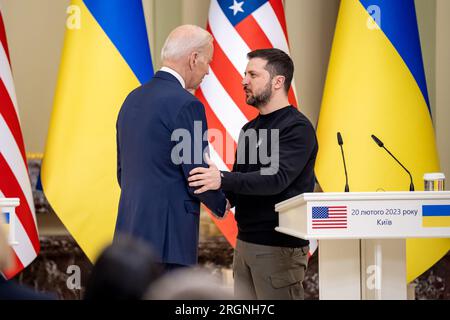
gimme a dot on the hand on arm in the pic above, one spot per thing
(295, 148)
(190, 115)
(205, 179)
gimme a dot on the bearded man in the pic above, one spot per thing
(274, 162)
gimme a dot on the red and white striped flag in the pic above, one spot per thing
(238, 27)
(14, 178)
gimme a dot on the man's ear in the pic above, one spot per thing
(279, 82)
(193, 60)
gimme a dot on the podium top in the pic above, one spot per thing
(366, 215)
(361, 196)
(9, 202)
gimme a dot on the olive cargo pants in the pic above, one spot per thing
(269, 273)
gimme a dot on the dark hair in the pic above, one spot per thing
(278, 64)
(123, 271)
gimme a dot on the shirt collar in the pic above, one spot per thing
(176, 75)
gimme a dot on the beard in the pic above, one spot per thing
(262, 98)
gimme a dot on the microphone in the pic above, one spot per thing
(381, 145)
(341, 142)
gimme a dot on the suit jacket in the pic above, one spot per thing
(156, 203)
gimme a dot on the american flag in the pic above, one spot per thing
(14, 178)
(329, 217)
(238, 27)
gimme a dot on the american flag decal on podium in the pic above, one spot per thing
(14, 179)
(238, 27)
(329, 217)
(6, 217)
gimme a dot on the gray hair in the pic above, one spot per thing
(183, 40)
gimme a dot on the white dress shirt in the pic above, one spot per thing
(175, 74)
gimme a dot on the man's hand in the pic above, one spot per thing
(205, 178)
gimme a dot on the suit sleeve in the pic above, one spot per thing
(191, 121)
(128, 100)
(296, 145)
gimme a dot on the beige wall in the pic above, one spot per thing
(311, 28)
(36, 29)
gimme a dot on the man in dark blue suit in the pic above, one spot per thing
(156, 203)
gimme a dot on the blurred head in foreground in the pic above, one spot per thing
(188, 284)
(123, 271)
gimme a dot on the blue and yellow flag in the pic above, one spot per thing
(376, 85)
(106, 55)
(435, 216)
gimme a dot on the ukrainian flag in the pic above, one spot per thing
(106, 55)
(436, 216)
(376, 85)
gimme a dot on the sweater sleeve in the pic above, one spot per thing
(296, 144)
(231, 196)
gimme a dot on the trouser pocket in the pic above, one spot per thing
(290, 280)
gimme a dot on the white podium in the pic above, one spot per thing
(8, 208)
(362, 237)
